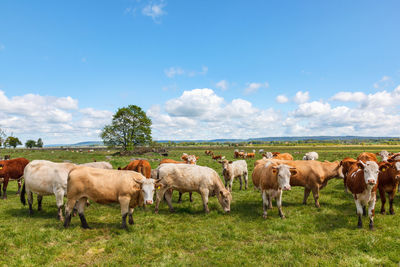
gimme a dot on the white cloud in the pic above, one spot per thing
(173, 71)
(155, 11)
(383, 82)
(282, 99)
(350, 97)
(301, 97)
(223, 85)
(253, 87)
(54, 119)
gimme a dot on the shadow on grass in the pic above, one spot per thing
(23, 212)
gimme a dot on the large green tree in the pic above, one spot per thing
(39, 143)
(12, 141)
(130, 127)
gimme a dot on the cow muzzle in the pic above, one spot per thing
(149, 202)
(287, 188)
(371, 182)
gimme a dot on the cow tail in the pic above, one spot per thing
(22, 195)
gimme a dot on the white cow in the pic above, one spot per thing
(190, 178)
(311, 156)
(98, 165)
(232, 170)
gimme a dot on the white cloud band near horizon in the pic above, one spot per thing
(203, 114)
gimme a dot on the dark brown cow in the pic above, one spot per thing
(141, 166)
(367, 156)
(388, 178)
(12, 169)
(362, 181)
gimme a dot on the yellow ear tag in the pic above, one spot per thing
(159, 187)
(383, 169)
(1, 168)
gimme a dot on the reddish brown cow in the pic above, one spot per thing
(367, 156)
(251, 155)
(283, 156)
(208, 152)
(388, 178)
(362, 181)
(346, 164)
(12, 169)
(141, 166)
(172, 161)
(216, 157)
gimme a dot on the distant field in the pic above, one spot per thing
(308, 236)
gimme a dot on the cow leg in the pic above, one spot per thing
(180, 198)
(19, 186)
(279, 204)
(124, 203)
(230, 185)
(68, 211)
(190, 196)
(159, 197)
(30, 201)
(241, 183)
(359, 213)
(0, 189)
(131, 216)
(5, 183)
(204, 195)
(39, 199)
(316, 196)
(168, 198)
(364, 211)
(246, 180)
(383, 199)
(391, 199)
(306, 194)
(81, 208)
(266, 202)
(371, 212)
(60, 202)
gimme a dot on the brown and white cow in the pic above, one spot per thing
(388, 182)
(232, 170)
(347, 164)
(274, 178)
(129, 188)
(191, 178)
(362, 181)
(12, 169)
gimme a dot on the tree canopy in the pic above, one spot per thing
(39, 143)
(12, 141)
(130, 127)
(30, 143)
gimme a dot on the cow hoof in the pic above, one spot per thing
(179, 201)
(172, 210)
(265, 217)
(31, 212)
(86, 227)
(156, 211)
(392, 212)
(383, 212)
(283, 217)
(131, 221)
(371, 228)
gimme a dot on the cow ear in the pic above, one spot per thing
(360, 165)
(230, 162)
(293, 171)
(119, 168)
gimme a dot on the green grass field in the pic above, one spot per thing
(308, 236)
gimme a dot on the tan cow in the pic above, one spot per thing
(232, 170)
(312, 175)
(283, 156)
(191, 178)
(129, 188)
(274, 178)
(98, 165)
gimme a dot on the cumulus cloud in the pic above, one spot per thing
(253, 87)
(154, 10)
(301, 97)
(223, 85)
(282, 99)
(383, 82)
(55, 119)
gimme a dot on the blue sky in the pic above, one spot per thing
(341, 58)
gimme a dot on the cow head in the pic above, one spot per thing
(395, 166)
(225, 198)
(147, 187)
(371, 171)
(225, 164)
(190, 159)
(283, 173)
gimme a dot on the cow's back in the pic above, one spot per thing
(367, 156)
(239, 167)
(13, 168)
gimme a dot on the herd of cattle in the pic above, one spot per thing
(135, 184)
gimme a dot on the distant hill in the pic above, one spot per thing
(80, 144)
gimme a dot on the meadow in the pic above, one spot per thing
(308, 236)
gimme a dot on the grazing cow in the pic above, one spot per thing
(236, 154)
(216, 157)
(311, 156)
(283, 156)
(261, 151)
(191, 178)
(388, 178)
(273, 179)
(362, 181)
(130, 189)
(12, 169)
(384, 154)
(98, 165)
(347, 164)
(232, 170)
(367, 156)
(141, 166)
(251, 155)
(312, 175)
(208, 152)
(191, 159)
